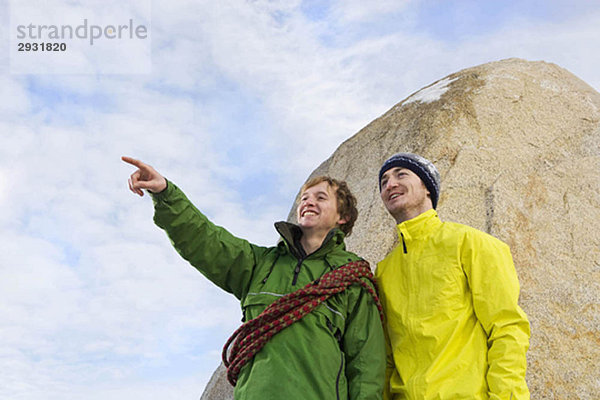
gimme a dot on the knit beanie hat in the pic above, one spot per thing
(421, 166)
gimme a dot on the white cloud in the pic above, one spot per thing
(3, 185)
(13, 98)
(311, 91)
(359, 11)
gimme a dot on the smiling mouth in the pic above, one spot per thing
(394, 195)
(309, 212)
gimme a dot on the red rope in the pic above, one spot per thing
(251, 337)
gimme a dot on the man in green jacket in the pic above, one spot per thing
(336, 351)
(450, 294)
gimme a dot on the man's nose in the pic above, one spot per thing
(307, 201)
(310, 201)
(391, 183)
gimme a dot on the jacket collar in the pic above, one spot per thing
(291, 234)
(419, 227)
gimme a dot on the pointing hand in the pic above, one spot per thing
(145, 177)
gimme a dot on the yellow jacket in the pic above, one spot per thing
(450, 295)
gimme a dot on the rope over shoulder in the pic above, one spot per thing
(252, 336)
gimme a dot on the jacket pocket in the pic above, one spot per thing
(256, 303)
(331, 319)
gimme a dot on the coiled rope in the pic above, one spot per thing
(251, 337)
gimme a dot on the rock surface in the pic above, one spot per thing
(517, 144)
(218, 388)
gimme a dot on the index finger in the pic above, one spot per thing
(133, 162)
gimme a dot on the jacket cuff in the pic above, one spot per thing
(165, 193)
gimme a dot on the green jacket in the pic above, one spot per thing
(335, 352)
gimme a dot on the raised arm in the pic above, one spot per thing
(226, 260)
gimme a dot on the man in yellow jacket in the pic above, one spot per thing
(450, 293)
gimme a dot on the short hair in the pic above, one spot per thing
(346, 202)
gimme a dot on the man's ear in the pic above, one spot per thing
(342, 220)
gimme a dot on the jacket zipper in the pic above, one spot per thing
(297, 271)
(403, 243)
(337, 334)
(298, 251)
(339, 375)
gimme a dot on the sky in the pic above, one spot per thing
(234, 101)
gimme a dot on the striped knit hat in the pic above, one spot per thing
(420, 166)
